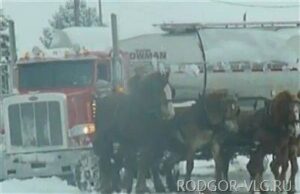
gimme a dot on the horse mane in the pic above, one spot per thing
(210, 106)
(279, 108)
(149, 80)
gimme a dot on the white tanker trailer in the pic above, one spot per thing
(245, 84)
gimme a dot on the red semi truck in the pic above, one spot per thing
(46, 126)
(73, 74)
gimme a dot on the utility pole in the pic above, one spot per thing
(12, 42)
(100, 13)
(8, 55)
(117, 71)
(76, 12)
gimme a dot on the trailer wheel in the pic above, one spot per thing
(87, 174)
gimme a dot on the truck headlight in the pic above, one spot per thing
(82, 129)
(89, 128)
(120, 89)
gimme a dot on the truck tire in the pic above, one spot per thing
(87, 173)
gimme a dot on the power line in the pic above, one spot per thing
(259, 6)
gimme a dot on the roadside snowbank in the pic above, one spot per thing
(37, 186)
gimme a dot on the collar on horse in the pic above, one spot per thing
(285, 126)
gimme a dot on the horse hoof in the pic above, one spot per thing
(160, 189)
(106, 190)
(143, 189)
(291, 192)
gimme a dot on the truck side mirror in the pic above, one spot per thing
(103, 88)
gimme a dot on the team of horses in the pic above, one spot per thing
(134, 130)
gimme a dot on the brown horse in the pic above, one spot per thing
(271, 134)
(197, 124)
(261, 132)
(224, 146)
(294, 149)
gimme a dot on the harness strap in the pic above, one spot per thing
(203, 116)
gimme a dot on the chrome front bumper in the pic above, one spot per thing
(26, 165)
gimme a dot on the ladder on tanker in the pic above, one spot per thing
(190, 27)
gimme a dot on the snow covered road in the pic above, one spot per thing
(37, 186)
(204, 170)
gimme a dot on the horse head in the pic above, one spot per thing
(157, 95)
(284, 111)
(222, 110)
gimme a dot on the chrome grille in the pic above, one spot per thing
(35, 124)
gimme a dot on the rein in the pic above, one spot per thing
(203, 119)
(201, 46)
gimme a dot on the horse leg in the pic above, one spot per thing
(284, 159)
(129, 166)
(105, 150)
(294, 169)
(171, 178)
(220, 169)
(146, 158)
(274, 166)
(226, 160)
(158, 185)
(189, 164)
(255, 168)
(116, 179)
(116, 168)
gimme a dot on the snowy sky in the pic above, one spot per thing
(136, 16)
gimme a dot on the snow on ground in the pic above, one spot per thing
(201, 167)
(56, 185)
(37, 186)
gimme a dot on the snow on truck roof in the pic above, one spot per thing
(38, 55)
(221, 45)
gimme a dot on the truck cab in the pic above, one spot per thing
(74, 74)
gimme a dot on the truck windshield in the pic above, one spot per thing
(56, 74)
